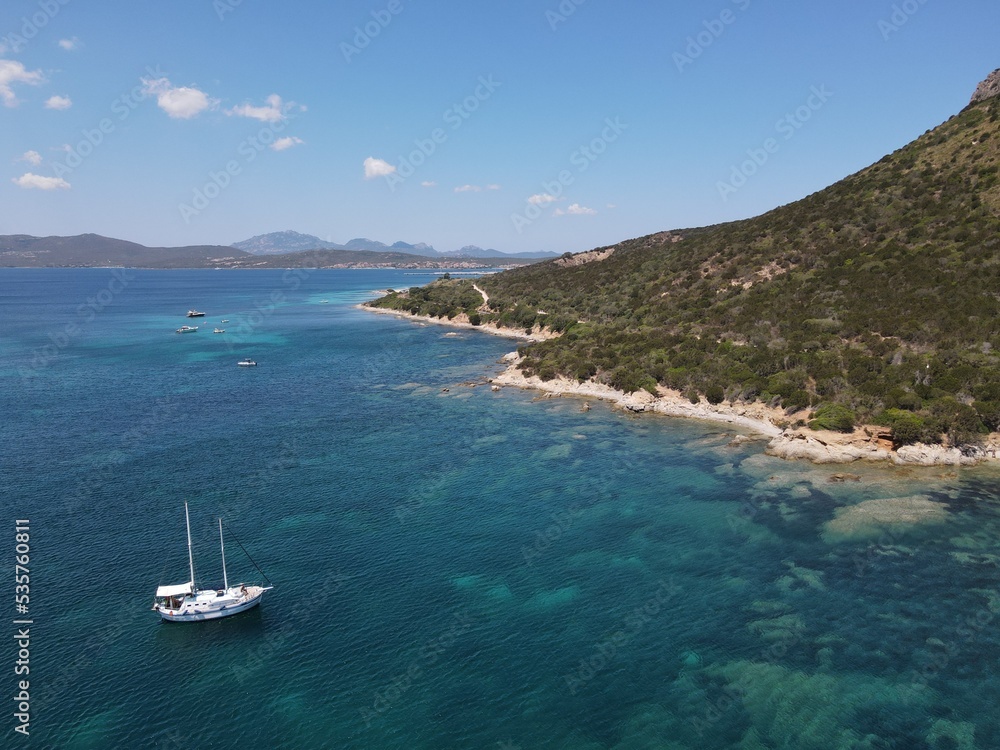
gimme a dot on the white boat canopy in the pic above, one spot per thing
(181, 589)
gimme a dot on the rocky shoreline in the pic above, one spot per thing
(819, 447)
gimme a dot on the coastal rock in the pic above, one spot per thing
(841, 478)
(988, 88)
(791, 445)
(933, 455)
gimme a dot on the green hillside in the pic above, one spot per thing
(877, 299)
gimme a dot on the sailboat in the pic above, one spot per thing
(184, 602)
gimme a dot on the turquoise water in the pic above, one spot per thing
(452, 568)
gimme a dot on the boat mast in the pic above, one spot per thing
(187, 521)
(222, 544)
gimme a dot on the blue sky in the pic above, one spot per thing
(518, 126)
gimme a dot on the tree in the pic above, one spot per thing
(715, 394)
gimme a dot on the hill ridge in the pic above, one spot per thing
(875, 299)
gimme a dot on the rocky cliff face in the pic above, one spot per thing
(988, 88)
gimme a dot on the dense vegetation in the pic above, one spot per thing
(875, 300)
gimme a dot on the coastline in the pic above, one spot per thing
(817, 446)
(462, 321)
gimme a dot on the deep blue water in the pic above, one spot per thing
(452, 568)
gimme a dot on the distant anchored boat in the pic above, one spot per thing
(219, 330)
(186, 603)
(187, 329)
(195, 314)
(247, 363)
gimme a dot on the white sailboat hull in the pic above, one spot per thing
(209, 605)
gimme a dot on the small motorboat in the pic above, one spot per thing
(187, 329)
(225, 320)
(195, 314)
(219, 330)
(247, 363)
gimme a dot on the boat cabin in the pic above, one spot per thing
(172, 597)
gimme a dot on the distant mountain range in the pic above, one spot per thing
(93, 250)
(278, 243)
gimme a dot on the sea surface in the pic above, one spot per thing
(453, 567)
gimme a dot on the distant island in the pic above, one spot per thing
(292, 242)
(860, 322)
(92, 250)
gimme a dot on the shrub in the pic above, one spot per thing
(989, 412)
(715, 394)
(796, 400)
(833, 417)
(632, 379)
(906, 426)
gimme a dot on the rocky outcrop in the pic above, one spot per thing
(937, 455)
(591, 256)
(825, 451)
(867, 445)
(988, 88)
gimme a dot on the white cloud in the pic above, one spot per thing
(32, 157)
(179, 102)
(30, 181)
(273, 111)
(58, 102)
(575, 210)
(377, 168)
(492, 187)
(70, 44)
(428, 183)
(612, 205)
(11, 71)
(541, 199)
(285, 143)
(468, 189)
